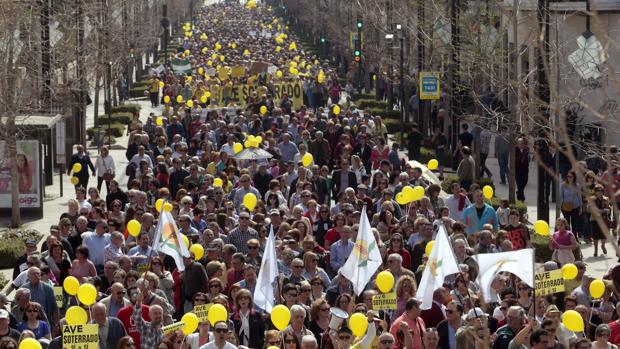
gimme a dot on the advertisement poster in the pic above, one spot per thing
(29, 171)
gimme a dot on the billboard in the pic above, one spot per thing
(29, 170)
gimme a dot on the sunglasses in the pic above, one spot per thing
(244, 218)
(344, 338)
(32, 311)
(221, 330)
(292, 294)
(252, 247)
(214, 286)
(316, 284)
(304, 290)
(387, 341)
(200, 300)
(290, 341)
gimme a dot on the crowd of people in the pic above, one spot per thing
(188, 157)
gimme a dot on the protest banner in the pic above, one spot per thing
(80, 336)
(59, 296)
(258, 67)
(172, 327)
(294, 90)
(237, 72)
(549, 282)
(386, 301)
(202, 311)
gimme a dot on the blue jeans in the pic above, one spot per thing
(502, 159)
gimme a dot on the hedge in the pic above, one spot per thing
(358, 96)
(106, 140)
(114, 130)
(385, 114)
(126, 108)
(393, 126)
(371, 104)
(124, 118)
(137, 92)
(13, 243)
(542, 253)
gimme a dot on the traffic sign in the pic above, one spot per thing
(429, 86)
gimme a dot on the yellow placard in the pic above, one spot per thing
(172, 327)
(201, 311)
(237, 72)
(59, 296)
(549, 282)
(223, 73)
(80, 336)
(386, 301)
(294, 90)
(142, 267)
(429, 86)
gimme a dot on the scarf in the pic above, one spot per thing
(462, 198)
(244, 334)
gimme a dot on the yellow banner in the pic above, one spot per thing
(386, 301)
(59, 296)
(80, 336)
(294, 90)
(172, 327)
(549, 282)
(202, 311)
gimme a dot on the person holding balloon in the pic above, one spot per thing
(79, 164)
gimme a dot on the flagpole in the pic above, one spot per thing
(534, 288)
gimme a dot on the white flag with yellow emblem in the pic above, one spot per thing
(365, 258)
(520, 263)
(440, 264)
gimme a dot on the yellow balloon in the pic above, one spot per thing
(201, 71)
(203, 99)
(573, 321)
(158, 204)
(407, 193)
(77, 167)
(75, 180)
(278, 48)
(166, 99)
(213, 56)
(168, 207)
(429, 247)
(280, 316)
(400, 198)
(161, 84)
(307, 160)
(234, 45)
(217, 313)
(198, 251)
(433, 164)
(263, 110)
(246, 52)
(159, 121)
(222, 58)
(237, 147)
(385, 281)
(185, 240)
(29, 343)
(279, 74)
(358, 323)
(71, 285)
(208, 94)
(418, 192)
(218, 182)
(134, 227)
(293, 64)
(179, 99)
(336, 110)
(87, 294)
(76, 315)
(210, 63)
(204, 50)
(259, 139)
(597, 288)
(487, 191)
(541, 228)
(190, 321)
(249, 201)
(569, 271)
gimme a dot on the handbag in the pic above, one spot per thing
(107, 176)
(567, 206)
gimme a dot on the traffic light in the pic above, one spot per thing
(360, 24)
(322, 39)
(358, 55)
(358, 51)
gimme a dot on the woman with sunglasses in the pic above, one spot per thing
(322, 224)
(290, 341)
(249, 325)
(397, 246)
(311, 269)
(318, 288)
(32, 321)
(116, 212)
(8, 343)
(319, 318)
(166, 283)
(333, 234)
(304, 294)
(126, 343)
(272, 339)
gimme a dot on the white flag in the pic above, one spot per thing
(365, 258)
(264, 296)
(520, 263)
(168, 240)
(440, 264)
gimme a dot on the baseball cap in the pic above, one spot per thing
(212, 247)
(273, 212)
(474, 313)
(362, 186)
(4, 314)
(31, 242)
(552, 309)
(244, 214)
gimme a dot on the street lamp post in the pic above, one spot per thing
(542, 60)
(403, 112)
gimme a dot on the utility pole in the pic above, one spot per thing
(165, 23)
(80, 115)
(46, 60)
(421, 114)
(543, 97)
(454, 72)
(403, 112)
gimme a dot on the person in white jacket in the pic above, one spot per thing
(105, 168)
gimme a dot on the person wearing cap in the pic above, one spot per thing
(412, 318)
(5, 330)
(21, 262)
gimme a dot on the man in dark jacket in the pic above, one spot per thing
(80, 157)
(320, 149)
(261, 179)
(343, 178)
(176, 177)
(112, 326)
